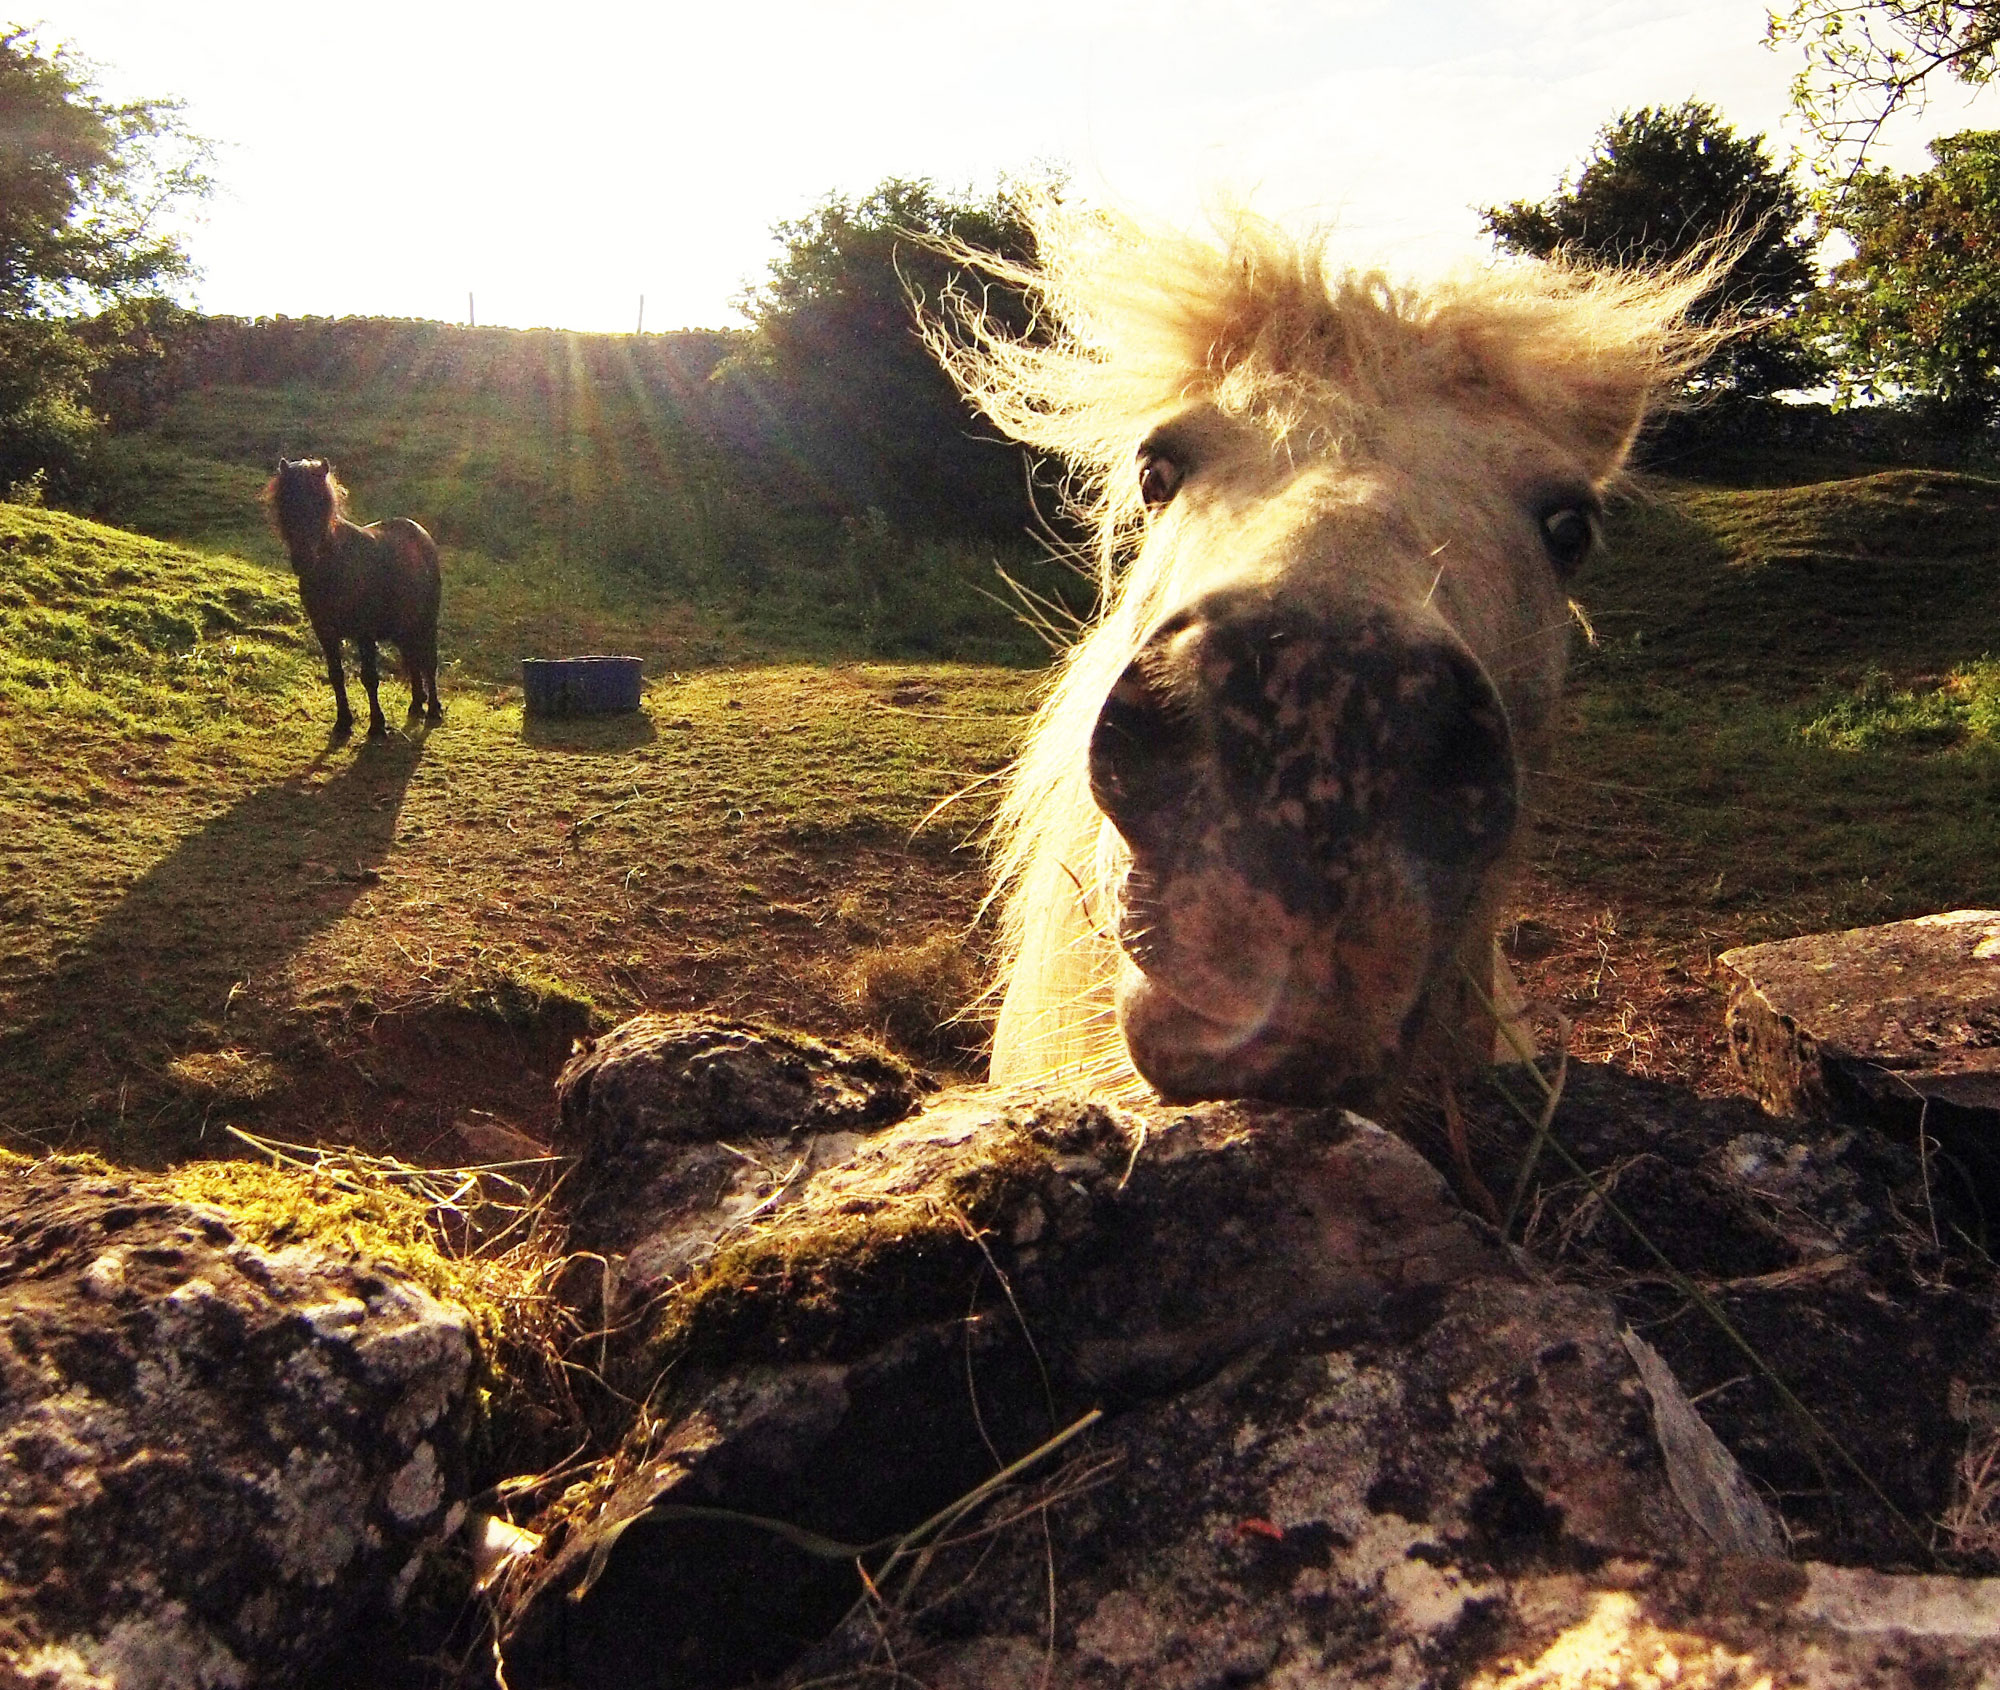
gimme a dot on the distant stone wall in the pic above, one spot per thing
(1884, 434)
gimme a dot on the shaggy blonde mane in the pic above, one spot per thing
(1133, 325)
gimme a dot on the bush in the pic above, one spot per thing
(836, 389)
(82, 185)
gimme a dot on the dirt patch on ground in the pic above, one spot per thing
(1604, 987)
(359, 945)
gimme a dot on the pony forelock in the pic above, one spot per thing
(1133, 323)
(305, 499)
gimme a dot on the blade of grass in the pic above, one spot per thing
(901, 1546)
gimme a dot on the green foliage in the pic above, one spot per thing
(83, 183)
(1867, 59)
(1917, 307)
(46, 425)
(1962, 710)
(1664, 184)
(836, 385)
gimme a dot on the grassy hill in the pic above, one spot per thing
(581, 501)
(209, 917)
(1791, 710)
(1787, 723)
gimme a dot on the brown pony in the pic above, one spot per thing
(380, 582)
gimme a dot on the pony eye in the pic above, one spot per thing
(1159, 478)
(1568, 532)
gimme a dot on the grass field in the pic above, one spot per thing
(1786, 725)
(209, 917)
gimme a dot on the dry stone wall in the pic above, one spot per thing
(216, 1459)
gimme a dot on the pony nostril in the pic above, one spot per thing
(1464, 792)
(1473, 755)
(1143, 751)
(1303, 738)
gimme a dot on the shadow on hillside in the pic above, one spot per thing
(117, 1048)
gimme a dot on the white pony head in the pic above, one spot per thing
(1257, 843)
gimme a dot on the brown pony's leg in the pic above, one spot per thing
(425, 669)
(417, 558)
(415, 676)
(371, 678)
(420, 669)
(343, 718)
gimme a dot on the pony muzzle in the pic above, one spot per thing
(1312, 804)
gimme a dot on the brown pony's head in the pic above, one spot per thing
(305, 502)
(1257, 842)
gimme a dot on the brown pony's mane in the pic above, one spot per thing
(306, 503)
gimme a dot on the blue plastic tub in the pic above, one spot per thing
(580, 686)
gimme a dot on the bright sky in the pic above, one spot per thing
(558, 161)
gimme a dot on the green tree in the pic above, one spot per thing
(84, 184)
(1663, 183)
(1867, 59)
(1916, 310)
(837, 381)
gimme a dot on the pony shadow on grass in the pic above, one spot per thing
(157, 1018)
(589, 733)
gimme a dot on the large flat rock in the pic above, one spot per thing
(1895, 1026)
(1344, 1438)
